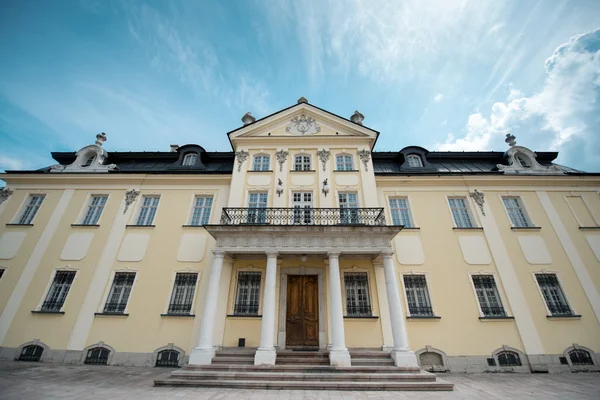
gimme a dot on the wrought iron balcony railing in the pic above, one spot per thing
(303, 216)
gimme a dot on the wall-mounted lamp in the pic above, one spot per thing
(279, 188)
(326, 187)
(303, 258)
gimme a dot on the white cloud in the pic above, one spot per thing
(438, 97)
(9, 163)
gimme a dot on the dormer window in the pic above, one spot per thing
(414, 161)
(89, 160)
(189, 159)
(523, 160)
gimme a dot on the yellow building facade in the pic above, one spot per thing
(303, 238)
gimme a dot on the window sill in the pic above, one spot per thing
(140, 226)
(416, 317)
(589, 228)
(112, 314)
(496, 318)
(47, 312)
(19, 224)
(192, 226)
(472, 228)
(526, 228)
(178, 315)
(410, 228)
(243, 316)
(361, 317)
(85, 225)
(559, 317)
(257, 170)
(346, 170)
(306, 170)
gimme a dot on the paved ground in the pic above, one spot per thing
(24, 381)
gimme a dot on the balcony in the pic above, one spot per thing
(304, 216)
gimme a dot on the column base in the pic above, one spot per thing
(200, 356)
(404, 358)
(265, 357)
(339, 358)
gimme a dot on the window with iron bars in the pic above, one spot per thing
(97, 356)
(553, 295)
(183, 293)
(31, 353)
(248, 293)
(94, 210)
(580, 357)
(119, 293)
(488, 297)
(509, 359)
(417, 296)
(358, 303)
(55, 299)
(167, 358)
(460, 212)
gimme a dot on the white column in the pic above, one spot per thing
(204, 352)
(266, 354)
(338, 355)
(402, 355)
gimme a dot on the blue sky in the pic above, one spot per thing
(445, 75)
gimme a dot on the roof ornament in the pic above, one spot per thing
(100, 138)
(357, 117)
(510, 139)
(248, 119)
(302, 100)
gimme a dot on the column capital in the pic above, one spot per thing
(387, 254)
(272, 254)
(333, 254)
(219, 253)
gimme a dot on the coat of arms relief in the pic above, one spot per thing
(303, 125)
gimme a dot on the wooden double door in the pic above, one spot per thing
(302, 319)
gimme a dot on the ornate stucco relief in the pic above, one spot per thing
(130, 197)
(303, 125)
(479, 198)
(241, 156)
(281, 158)
(324, 157)
(5, 194)
(365, 156)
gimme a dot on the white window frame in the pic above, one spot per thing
(574, 313)
(371, 306)
(262, 163)
(587, 205)
(411, 222)
(24, 205)
(505, 304)
(88, 204)
(172, 289)
(474, 221)
(236, 290)
(528, 222)
(344, 163)
(49, 286)
(189, 156)
(417, 157)
(141, 205)
(193, 209)
(429, 292)
(303, 163)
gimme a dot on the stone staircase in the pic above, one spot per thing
(310, 370)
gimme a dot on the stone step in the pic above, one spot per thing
(302, 354)
(305, 368)
(308, 376)
(233, 360)
(371, 361)
(302, 361)
(236, 352)
(439, 385)
(369, 354)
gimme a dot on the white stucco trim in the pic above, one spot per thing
(508, 195)
(578, 266)
(86, 204)
(585, 202)
(33, 263)
(21, 209)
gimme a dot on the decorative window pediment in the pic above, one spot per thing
(91, 158)
(521, 160)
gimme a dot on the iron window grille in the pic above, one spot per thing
(148, 210)
(460, 212)
(261, 163)
(201, 213)
(400, 212)
(94, 210)
(97, 356)
(167, 358)
(488, 296)
(189, 159)
(302, 163)
(553, 295)
(257, 208)
(32, 352)
(516, 212)
(563, 360)
(417, 296)
(357, 294)
(248, 293)
(580, 357)
(491, 362)
(183, 293)
(34, 202)
(344, 162)
(414, 161)
(55, 299)
(119, 293)
(509, 359)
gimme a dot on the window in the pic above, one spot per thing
(248, 293)
(553, 295)
(167, 358)
(509, 359)
(148, 210)
(523, 160)
(97, 356)
(31, 353)
(460, 212)
(183, 293)
(31, 208)
(201, 213)
(414, 161)
(302, 202)
(487, 295)
(348, 202)
(89, 160)
(257, 205)
(400, 212)
(95, 210)
(516, 212)
(261, 163)
(343, 162)
(55, 299)
(417, 296)
(357, 294)
(302, 163)
(580, 357)
(119, 293)
(189, 159)
(581, 211)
